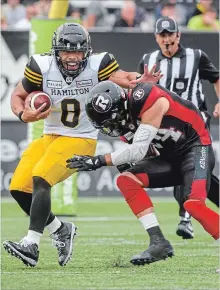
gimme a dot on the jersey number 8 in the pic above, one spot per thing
(70, 112)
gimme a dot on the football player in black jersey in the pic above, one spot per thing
(179, 133)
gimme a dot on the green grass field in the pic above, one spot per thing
(108, 236)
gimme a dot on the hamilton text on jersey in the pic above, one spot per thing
(71, 92)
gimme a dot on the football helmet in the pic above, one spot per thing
(71, 37)
(106, 107)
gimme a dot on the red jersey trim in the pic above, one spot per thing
(181, 112)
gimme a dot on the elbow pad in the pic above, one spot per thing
(138, 149)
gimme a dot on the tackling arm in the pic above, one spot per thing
(147, 130)
(131, 79)
(109, 70)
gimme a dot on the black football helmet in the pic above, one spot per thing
(71, 37)
(106, 107)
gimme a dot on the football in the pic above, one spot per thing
(38, 98)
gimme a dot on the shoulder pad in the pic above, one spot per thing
(95, 60)
(43, 60)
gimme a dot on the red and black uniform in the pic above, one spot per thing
(183, 140)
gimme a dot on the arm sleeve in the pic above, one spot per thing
(33, 79)
(107, 66)
(207, 70)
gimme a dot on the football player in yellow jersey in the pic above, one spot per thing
(67, 75)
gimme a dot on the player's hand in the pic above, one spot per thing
(30, 115)
(216, 112)
(148, 76)
(86, 163)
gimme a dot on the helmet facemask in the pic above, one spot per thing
(115, 125)
(68, 72)
(107, 109)
(70, 38)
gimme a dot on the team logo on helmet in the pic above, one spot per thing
(102, 103)
(138, 94)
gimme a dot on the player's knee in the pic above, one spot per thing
(15, 194)
(190, 204)
(41, 185)
(123, 181)
(18, 195)
(23, 199)
(127, 178)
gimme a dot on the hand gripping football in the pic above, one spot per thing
(38, 98)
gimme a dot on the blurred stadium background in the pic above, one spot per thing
(19, 39)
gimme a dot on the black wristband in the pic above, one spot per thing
(19, 116)
(102, 160)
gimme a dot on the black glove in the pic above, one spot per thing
(86, 162)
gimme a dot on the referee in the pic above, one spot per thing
(183, 69)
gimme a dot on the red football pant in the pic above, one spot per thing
(135, 196)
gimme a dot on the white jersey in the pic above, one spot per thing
(68, 116)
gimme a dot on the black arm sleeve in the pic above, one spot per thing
(107, 66)
(33, 79)
(207, 70)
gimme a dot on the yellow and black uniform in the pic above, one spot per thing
(67, 130)
(107, 66)
(33, 79)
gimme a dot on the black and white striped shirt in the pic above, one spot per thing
(183, 72)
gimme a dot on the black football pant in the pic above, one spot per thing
(191, 170)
